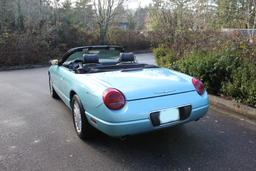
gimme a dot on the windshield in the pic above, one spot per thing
(109, 54)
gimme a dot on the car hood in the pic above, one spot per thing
(146, 83)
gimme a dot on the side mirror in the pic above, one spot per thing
(54, 62)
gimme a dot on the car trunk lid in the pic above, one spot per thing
(146, 83)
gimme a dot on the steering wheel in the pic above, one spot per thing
(75, 64)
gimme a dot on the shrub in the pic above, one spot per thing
(164, 56)
(223, 74)
(242, 84)
(200, 65)
(212, 68)
(131, 40)
(226, 71)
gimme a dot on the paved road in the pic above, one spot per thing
(36, 133)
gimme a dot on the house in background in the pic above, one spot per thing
(123, 25)
(242, 32)
(121, 21)
(133, 19)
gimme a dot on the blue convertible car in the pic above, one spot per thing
(109, 90)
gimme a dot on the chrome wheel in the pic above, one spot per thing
(83, 128)
(77, 117)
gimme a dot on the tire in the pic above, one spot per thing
(83, 128)
(52, 91)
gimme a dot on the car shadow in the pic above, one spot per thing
(172, 148)
(184, 147)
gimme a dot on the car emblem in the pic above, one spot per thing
(164, 92)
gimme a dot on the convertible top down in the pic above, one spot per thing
(109, 90)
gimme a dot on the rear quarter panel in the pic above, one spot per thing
(88, 90)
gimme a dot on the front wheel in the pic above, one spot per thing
(83, 129)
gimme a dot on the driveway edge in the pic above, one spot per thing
(232, 107)
(22, 67)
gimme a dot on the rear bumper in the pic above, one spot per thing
(140, 126)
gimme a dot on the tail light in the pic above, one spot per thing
(198, 85)
(113, 99)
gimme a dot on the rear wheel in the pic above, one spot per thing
(83, 129)
(52, 91)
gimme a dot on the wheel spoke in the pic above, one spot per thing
(77, 117)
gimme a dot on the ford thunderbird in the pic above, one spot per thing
(107, 89)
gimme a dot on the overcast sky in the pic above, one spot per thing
(133, 4)
(136, 3)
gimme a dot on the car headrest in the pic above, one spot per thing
(91, 58)
(127, 57)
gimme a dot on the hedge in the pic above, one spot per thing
(225, 72)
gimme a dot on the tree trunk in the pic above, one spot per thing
(103, 34)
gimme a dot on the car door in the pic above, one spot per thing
(66, 77)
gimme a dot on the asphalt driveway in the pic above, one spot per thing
(36, 133)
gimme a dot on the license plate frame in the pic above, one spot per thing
(169, 115)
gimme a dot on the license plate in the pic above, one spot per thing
(169, 115)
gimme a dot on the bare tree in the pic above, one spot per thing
(251, 19)
(56, 4)
(105, 11)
